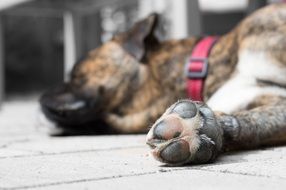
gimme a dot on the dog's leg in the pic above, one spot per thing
(263, 125)
(136, 122)
(190, 132)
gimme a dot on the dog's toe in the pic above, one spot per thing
(176, 152)
(169, 128)
(185, 109)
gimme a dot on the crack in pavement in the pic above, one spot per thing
(242, 173)
(69, 152)
(197, 168)
(76, 181)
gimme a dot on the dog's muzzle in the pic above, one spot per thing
(65, 107)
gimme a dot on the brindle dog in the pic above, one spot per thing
(131, 80)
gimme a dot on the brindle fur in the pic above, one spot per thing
(133, 78)
(262, 125)
(263, 121)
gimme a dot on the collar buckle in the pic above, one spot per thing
(197, 73)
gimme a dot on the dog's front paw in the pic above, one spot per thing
(186, 133)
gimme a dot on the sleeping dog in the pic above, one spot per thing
(131, 80)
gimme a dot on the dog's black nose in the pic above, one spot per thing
(62, 106)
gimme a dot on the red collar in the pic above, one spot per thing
(197, 68)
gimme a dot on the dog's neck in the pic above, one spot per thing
(168, 64)
(222, 61)
(163, 73)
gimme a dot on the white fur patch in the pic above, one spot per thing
(259, 65)
(240, 90)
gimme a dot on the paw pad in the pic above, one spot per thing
(186, 133)
(169, 128)
(176, 152)
(185, 109)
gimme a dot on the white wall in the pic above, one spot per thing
(174, 11)
(7, 3)
(223, 5)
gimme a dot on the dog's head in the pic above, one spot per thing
(103, 79)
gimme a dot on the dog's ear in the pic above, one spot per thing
(140, 37)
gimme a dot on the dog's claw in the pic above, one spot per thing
(186, 133)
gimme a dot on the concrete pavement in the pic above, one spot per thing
(30, 159)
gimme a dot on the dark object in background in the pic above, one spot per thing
(36, 36)
(224, 22)
(33, 52)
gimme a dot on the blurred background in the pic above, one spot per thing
(40, 40)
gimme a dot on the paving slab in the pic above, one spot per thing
(52, 170)
(45, 145)
(182, 180)
(31, 159)
(270, 168)
(80, 166)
